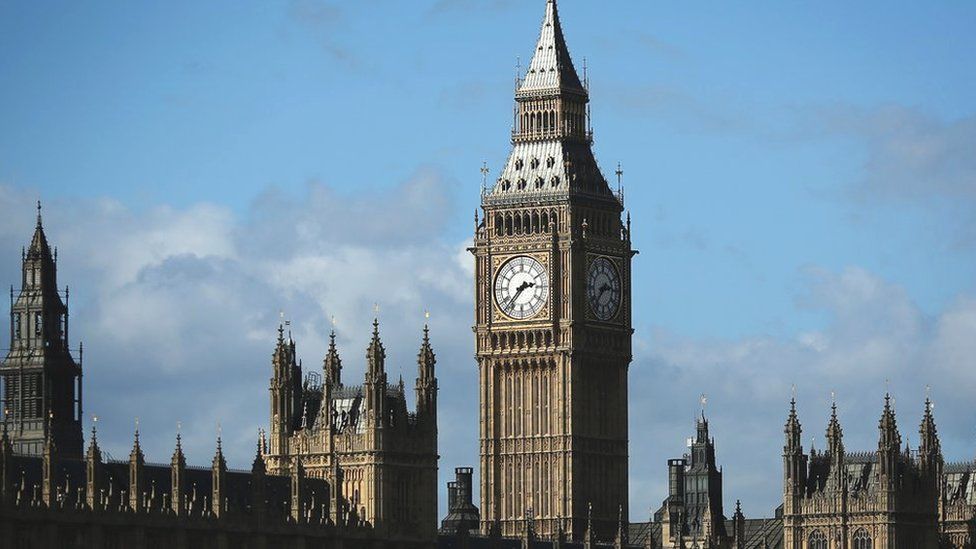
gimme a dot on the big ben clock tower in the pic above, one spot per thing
(553, 319)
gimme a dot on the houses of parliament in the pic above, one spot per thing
(350, 465)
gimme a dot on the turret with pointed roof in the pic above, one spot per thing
(426, 379)
(39, 374)
(178, 478)
(332, 365)
(929, 447)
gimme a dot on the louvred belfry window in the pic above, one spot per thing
(17, 331)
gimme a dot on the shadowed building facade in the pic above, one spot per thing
(553, 316)
(41, 381)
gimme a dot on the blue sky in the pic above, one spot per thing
(801, 178)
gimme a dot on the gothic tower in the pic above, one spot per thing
(553, 320)
(41, 380)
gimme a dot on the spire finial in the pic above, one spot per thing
(179, 435)
(484, 182)
(94, 428)
(38, 213)
(704, 402)
(620, 177)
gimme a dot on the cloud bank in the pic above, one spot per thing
(178, 310)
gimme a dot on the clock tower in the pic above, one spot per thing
(553, 319)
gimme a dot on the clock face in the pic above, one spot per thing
(603, 288)
(521, 287)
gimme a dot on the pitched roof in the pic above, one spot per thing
(551, 68)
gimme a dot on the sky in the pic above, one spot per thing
(801, 180)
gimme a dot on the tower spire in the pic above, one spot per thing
(551, 69)
(333, 364)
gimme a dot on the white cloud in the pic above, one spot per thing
(178, 309)
(873, 333)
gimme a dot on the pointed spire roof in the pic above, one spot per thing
(136, 455)
(929, 445)
(94, 452)
(426, 358)
(257, 466)
(218, 461)
(332, 363)
(889, 439)
(375, 353)
(835, 435)
(178, 457)
(39, 247)
(551, 69)
(793, 429)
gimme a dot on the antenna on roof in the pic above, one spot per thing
(484, 177)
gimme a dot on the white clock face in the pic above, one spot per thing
(521, 287)
(603, 288)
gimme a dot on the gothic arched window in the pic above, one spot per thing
(862, 539)
(38, 324)
(17, 333)
(817, 540)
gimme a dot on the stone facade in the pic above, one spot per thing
(552, 318)
(360, 437)
(888, 498)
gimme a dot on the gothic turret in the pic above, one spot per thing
(835, 439)
(39, 375)
(286, 392)
(426, 379)
(218, 471)
(137, 481)
(332, 365)
(889, 443)
(49, 466)
(375, 386)
(94, 477)
(794, 460)
(929, 448)
(178, 478)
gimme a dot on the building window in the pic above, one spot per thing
(16, 319)
(817, 540)
(862, 540)
(37, 324)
